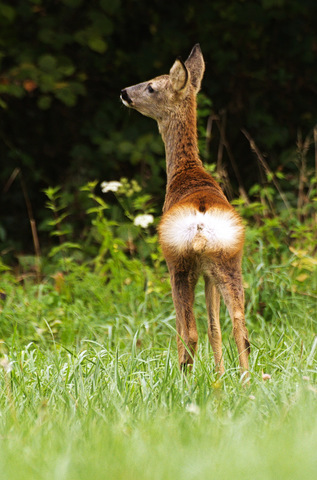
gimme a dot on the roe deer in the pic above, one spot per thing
(200, 232)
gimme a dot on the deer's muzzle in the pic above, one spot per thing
(126, 100)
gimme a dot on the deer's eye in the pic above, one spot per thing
(150, 89)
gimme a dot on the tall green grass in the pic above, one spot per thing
(90, 387)
(100, 413)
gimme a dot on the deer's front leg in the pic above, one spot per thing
(183, 283)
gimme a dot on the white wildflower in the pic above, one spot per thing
(112, 186)
(193, 408)
(6, 364)
(143, 220)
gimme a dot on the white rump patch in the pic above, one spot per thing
(185, 228)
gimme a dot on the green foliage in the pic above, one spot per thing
(117, 261)
(116, 232)
(118, 257)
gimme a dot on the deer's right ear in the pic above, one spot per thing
(179, 75)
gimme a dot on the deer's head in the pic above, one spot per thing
(160, 97)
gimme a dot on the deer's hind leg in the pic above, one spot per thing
(231, 287)
(214, 330)
(183, 281)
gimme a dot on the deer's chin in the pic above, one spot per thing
(138, 108)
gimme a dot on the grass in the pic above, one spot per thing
(111, 414)
(90, 386)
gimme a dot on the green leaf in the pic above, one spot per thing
(44, 102)
(47, 63)
(63, 247)
(97, 44)
(3, 104)
(7, 12)
(67, 97)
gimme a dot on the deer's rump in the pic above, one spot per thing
(185, 229)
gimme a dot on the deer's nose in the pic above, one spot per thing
(125, 97)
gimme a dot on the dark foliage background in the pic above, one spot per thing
(64, 62)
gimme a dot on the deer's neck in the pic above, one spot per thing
(179, 134)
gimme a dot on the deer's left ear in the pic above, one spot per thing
(196, 66)
(179, 75)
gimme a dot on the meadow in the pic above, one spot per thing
(89, 379)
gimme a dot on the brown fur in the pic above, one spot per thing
(171, 101)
